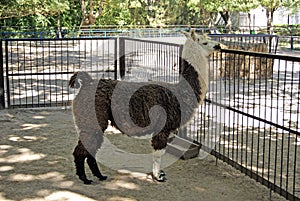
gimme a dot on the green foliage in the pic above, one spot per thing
(230, 5)
(287, 30)
(68, 14)
(115, 12)
(40, 13)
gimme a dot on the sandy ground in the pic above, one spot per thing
(36, 163)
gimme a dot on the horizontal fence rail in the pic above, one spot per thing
(250, 118)
(249, 42)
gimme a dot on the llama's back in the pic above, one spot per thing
(131, 103)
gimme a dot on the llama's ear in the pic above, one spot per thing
(73, 81)
(193, 34)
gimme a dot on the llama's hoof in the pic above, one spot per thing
(102, 178)
(85, 180)
(161, 177)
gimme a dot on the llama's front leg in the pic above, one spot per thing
(94, 168)
(158, 174)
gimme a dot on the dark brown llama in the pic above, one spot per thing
(98, 102)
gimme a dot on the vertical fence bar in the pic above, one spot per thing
(2, 97)
(122, 56)
(115, 58)
(7, 74)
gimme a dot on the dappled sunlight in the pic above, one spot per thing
(137, 175)
(49, 176)
(117, 198)
(121, 184)
(2, 197)
(66, 184)
(31, 126)
(199, 189)
(25, 155)
(26, 138)
(61, 196)
(38, 117)
(6, 168)
(5, 147)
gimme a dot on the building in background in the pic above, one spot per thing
(259, 18)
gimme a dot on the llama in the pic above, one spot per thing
(97, 103)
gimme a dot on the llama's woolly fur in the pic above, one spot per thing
(97, 103)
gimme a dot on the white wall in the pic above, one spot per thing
(259, 17)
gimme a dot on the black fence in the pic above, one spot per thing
(249, 42)
(261, 130)
(250, 118)
(36, 71)
(289, 42)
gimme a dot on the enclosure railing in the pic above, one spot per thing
(36, 72)
(289, 42)
(250, 118)
(261, 130)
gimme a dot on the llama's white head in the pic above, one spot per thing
(208, 45)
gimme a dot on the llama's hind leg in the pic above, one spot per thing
(91, 161)
(80, 154)
(159, 143)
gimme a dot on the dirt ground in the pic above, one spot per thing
(36, 163)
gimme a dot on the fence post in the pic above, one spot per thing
(116, 58)
(292, 42)
(122, 56)
(2, 100)
(180, 59)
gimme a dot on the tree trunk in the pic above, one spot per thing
(270, 14)
(226, 17)
(250, 21)
(59, 26)
(91, 14)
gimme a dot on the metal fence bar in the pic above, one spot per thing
(122, 56)
(2, 96)
(6, 70)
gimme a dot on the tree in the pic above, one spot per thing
(33, 13)
(272, 5)
(91, 10)
(226, 7)
(18, 8)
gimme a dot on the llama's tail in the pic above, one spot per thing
(79, 78)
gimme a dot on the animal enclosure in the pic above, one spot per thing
(250, 122)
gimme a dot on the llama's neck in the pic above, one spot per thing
(190, 75)
(194, 68)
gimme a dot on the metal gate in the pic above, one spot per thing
(36, 72)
